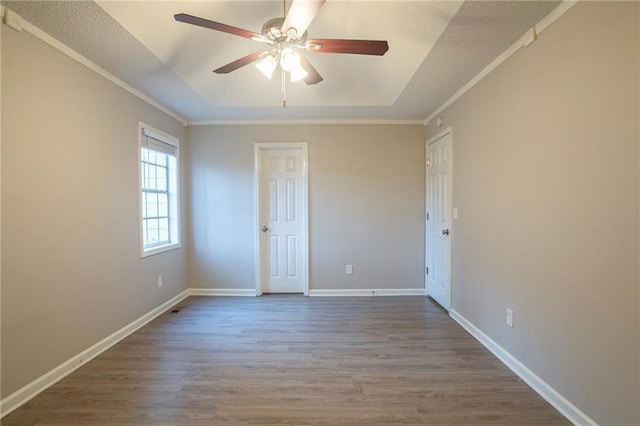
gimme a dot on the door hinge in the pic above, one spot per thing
(428, 162)
(427, 215)
(427, 270)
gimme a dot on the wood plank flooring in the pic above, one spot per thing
(293, 360)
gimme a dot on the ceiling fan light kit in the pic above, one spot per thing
(267, 65)
(298, 74)
(286, 36)
(289, 59)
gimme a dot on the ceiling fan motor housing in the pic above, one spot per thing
(272, 29)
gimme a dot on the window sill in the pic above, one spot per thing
(158, 250)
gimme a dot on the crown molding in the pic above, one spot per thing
(55, 43)
(523, 41)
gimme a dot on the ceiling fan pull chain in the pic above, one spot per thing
(284, 88)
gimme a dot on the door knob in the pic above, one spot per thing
(265, 228)
(445, 232)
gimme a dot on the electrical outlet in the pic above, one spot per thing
(159, 281)
(509, 317)
(348, 269)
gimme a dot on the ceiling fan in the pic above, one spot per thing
(285, 36)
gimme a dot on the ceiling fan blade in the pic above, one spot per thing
(358, 47)
(201, 22)
(313, 77)
(239, 63)
(301, 14)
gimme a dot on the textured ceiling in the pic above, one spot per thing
(434, 49)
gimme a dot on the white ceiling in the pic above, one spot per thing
(435, 47)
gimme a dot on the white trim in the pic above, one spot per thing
(158, 134)
(553, 397)
(1, 19)
(221, 291)
(37, 32)
(433, 139)
(256, 219)
(442, 134)
(157, 250)
(259, 146)
(29, 391)
(305, 121)
(340, 292)
(556, 13)
(175, 212)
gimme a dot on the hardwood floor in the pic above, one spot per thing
(293, 360)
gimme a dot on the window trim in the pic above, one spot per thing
(175, 142)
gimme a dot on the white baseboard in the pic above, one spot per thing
(553, 397)
(32, 389)
(222, 291)
(318, 292)
(368, 292)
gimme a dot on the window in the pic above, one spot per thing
(159, 221)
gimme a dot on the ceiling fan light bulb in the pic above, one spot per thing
(298, 74)
(289, 59)
(292, 33)
(267, 66)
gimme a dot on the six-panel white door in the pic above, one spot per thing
(439, 163)
(281, 219)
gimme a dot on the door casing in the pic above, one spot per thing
(258, 149)
(447, 131)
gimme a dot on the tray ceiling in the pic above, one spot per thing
(435, 47)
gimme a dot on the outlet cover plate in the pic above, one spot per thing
(509, 317)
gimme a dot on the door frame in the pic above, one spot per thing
(435, 138)
(259, 147)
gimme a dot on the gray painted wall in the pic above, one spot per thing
(546, 183)
(71, 274)
(546, 180)
(366, 202)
